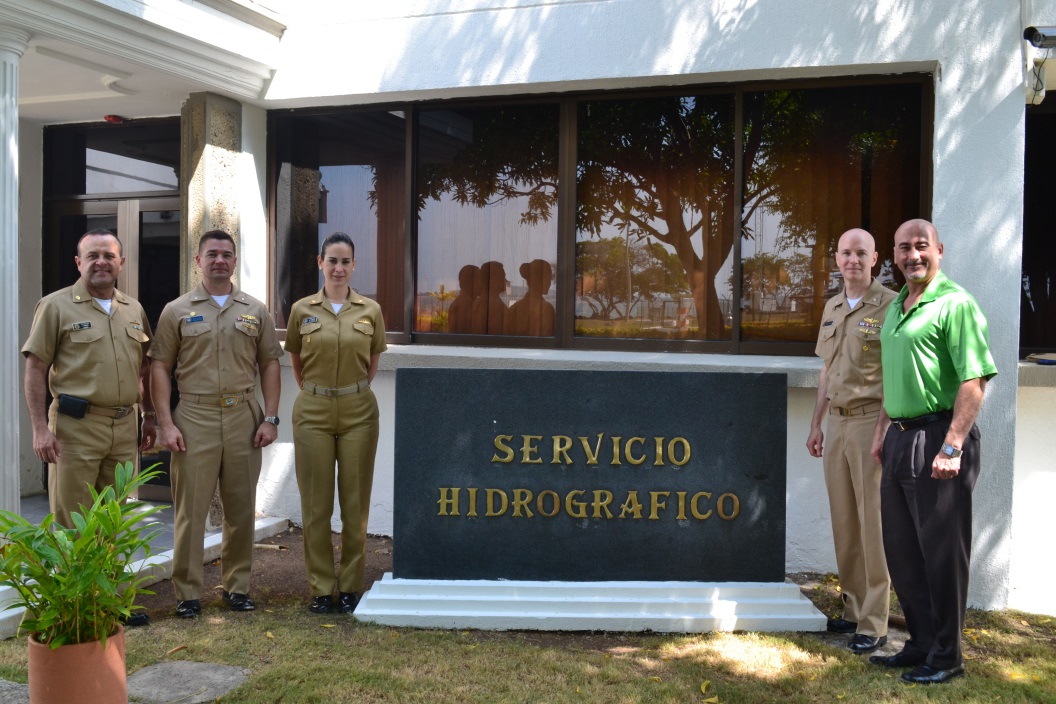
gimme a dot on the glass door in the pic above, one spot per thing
(149, 231)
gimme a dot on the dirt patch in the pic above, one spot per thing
(278, 574)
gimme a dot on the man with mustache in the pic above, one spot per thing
(937, 361)
(89, 343)
(849, 393)
(220, 339)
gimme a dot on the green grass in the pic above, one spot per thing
(297, 657)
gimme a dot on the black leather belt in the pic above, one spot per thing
(116, 413)
(920, 421)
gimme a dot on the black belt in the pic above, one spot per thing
(116, 413)
(920, 421)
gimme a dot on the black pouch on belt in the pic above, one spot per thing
(72, 406)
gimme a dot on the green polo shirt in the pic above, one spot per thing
(928, 351)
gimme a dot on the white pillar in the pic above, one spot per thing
(13, 43)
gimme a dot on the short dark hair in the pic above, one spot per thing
(216, 235)
(334, 239)
(101, 232)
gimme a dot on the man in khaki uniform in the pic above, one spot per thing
(220, 339)
(88, 344)
(850, 392)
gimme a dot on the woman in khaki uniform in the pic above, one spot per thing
(334, 340)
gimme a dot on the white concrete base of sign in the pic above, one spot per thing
(665, 607)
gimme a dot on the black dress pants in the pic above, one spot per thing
(927, 526)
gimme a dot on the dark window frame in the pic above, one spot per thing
(564, 337)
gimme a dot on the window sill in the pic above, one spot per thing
(802, 371)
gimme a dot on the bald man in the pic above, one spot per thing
(937, 361)
(850, 391)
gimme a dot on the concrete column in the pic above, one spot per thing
(13, 43)
(211, 127)
(212, 146)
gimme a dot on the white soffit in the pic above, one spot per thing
(136, 57)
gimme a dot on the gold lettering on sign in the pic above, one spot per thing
(519, 503)
(562, 444)
(529, 450)
(592, 457)
(521, 498)
(448, 501)
(655, 504)
(490, 496)
(733, 511)
(500, 444)
(632, 505)
(602, 500)
(574, 507)
(627, 451)
(555, 505)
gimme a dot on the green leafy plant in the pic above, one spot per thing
(77, 584)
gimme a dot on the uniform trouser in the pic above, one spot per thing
(326, 431)
(220, 448)
(852, 478)
(89, 450)
(928, 538)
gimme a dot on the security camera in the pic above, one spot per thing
(1041, 37)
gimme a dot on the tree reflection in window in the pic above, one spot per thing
(817, 163)
(486, 196)
(655, 180)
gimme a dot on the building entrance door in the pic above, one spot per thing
(149, 230)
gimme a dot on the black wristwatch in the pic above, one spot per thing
(950, 451)
(274, 420)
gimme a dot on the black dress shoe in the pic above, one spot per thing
(348, 602)
(238, 602)
(896, 660)
(861, 643)
(140, 618)
(926, 674)
(321, 604)
(188, 608)
(839, 625)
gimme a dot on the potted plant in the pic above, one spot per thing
(77, 585)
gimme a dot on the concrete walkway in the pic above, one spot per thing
(165, 683)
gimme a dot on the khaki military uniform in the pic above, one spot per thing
(849, 343)
(217, 352)
(96, 357)
(335, 420)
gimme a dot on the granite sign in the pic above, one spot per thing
(589, 476)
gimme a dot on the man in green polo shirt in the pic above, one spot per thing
(936, 361)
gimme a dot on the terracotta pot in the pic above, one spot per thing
(85, 673)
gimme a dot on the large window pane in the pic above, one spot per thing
(342, 172)
(487, 225)
(654, 226)
(817, 163)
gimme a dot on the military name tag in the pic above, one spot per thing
(81, 326)
(194, 319)
(313, 319)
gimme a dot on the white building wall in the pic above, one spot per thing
(420, 50)
(1033, 570)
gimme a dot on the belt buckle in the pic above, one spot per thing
(229, 400)
(332, 392)
(122, 412)
(900, 425)
(844, 411)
